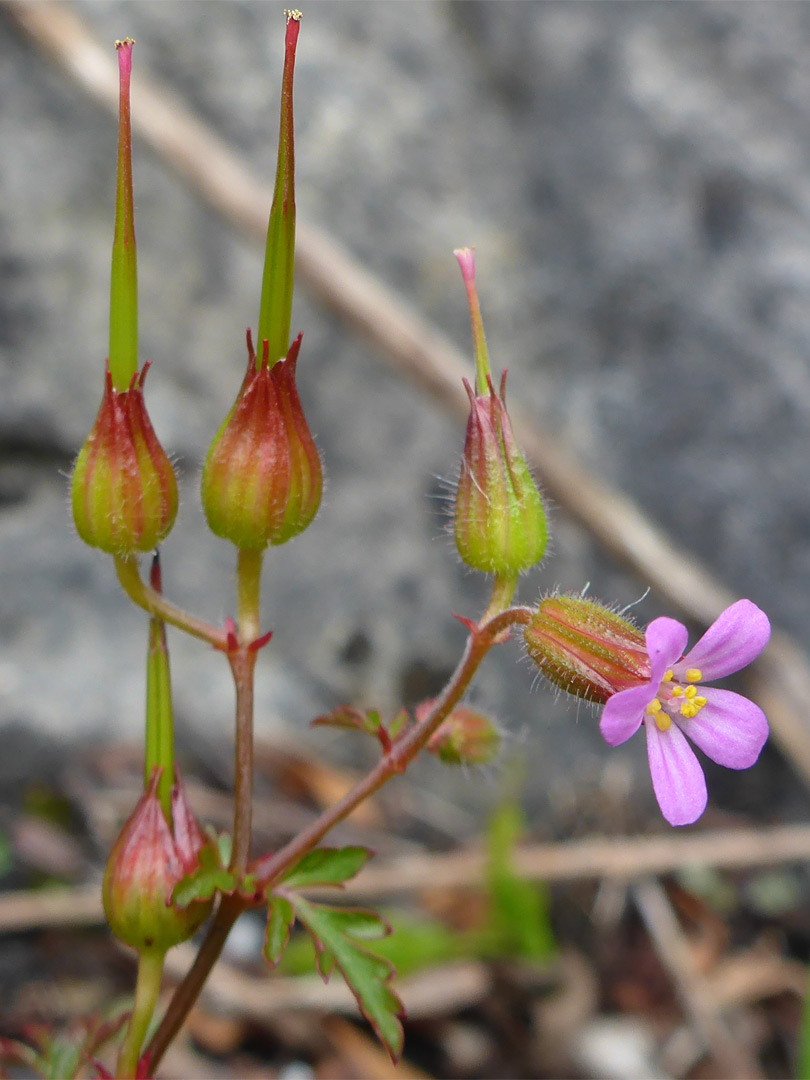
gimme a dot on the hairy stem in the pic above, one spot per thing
(270, 867)
(147, 989)
(126, 566)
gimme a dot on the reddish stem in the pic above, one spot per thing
(270, 867)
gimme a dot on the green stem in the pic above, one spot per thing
(147, 990)
(248, 593)
(503, 590)
(126, 566)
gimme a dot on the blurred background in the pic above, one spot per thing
(636, 181)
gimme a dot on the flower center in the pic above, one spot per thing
(676, 699)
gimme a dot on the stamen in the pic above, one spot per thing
(677, 691)
(690, 692)
(654, 707)
(663, 722)
(693, 675)
(690, 709)
(667, 676)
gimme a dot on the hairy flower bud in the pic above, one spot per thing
(146, 863)
(262, 480)
(586, 649)
(500, 524)
(466, 737)
(123, 491)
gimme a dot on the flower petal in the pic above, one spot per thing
(733, 640)
(666, 640)
(729, 729)
(623, 713)
(678, 780)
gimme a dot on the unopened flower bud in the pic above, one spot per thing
(466, 737)
(263, 479)
(500, 525)
(586, 649)
(145, 864)
(123, 491)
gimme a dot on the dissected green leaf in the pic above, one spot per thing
(334, 932)
(326, 866)
(366, 925)
(345, 716)
(248, 884)
(61, 1059)
(202, 884)
(398, 723)
(415, 942)
(222, 845)
(280, 917)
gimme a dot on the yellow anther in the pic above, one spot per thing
(663, 722)
(694, 674)
(689, 710)
(677, 691)
(690, 692)
(667, 676)
(654, 707)
(699, 701)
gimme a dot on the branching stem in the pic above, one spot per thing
(129, 575)
(490, 631)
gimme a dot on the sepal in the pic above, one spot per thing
(145, 865)
(585, 648)
(123, 490)
(263, 479)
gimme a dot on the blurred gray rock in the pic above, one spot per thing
(636, 179)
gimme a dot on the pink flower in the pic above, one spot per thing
(727, 727)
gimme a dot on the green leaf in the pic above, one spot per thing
(61, 1059)
(415, 943)
(248, 885)
(222, 845)
(280, 917)
(399, 722)
(202, 884)
(345, 716)
(327, 866)
(368, 976)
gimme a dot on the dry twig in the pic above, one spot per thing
(607, 858)
(428, 993)
(694, 991)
